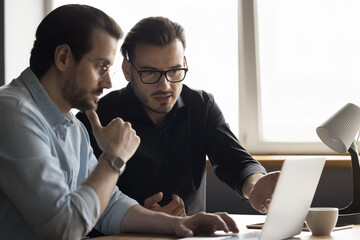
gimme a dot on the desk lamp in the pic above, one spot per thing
(340, 133)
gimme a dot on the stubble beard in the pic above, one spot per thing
(145, 101)
(78, 97)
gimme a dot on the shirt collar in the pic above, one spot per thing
(180, 101)
(43, 101)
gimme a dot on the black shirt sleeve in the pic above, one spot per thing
(230, 161)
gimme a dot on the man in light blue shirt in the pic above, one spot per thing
(51, 185)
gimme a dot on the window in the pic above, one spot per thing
(19, 34)
(299, 64)
(277, 69)
(212, 45)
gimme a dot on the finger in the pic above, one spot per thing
(262, 209)
(274, 175)
(176, 207)
(218, 225)
(153, 200)
(171, 207)
(179, 205)
(182, 213)
(229, 221)
(267, 204)
(205, 223)
(179, 211)
(94, 120)
(209, 223)
(183, 231)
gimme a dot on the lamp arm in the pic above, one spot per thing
(354, 206)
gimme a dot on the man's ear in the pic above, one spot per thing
(62, 57)
(126, 67)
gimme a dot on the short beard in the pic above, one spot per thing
(77, 96)
(144, 101)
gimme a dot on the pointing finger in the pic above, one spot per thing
(94, 120)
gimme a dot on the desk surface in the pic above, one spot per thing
(242, 221)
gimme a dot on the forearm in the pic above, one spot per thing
(117, 139)
(139, 219)
(231, 162)
(103, 180)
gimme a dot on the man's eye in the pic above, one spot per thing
(103, 68)
(174, 72)
(149, 73)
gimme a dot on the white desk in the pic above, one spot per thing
(242, 221)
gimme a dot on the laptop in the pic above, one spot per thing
(292, 197)
(290, 203)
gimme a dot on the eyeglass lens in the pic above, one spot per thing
(104, 69)
(152, 76)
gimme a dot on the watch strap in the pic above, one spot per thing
(116, 162)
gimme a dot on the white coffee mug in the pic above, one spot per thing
(322, 220)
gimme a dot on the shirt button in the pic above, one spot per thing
(62, 136)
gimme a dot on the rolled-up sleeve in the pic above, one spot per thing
(87, 204)
(119, 204)
(77, 217)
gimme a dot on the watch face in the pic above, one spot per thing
(118, 163)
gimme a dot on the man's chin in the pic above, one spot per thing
(88, 106)
(161, 110)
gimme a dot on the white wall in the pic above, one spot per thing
(21, 20)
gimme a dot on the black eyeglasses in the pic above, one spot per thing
(151, 76)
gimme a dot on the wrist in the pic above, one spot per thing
(249, 184)
(115, 162)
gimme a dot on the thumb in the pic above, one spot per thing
(154, 199)
(183, 231)
(94, 120)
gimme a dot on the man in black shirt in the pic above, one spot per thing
(178, 128)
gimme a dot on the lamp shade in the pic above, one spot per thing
(340, 130)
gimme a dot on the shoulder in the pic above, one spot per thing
(111, 102)
(14, 96)
(202, 103)
(20, 114)
(196, 95)
(115, 95)
(117, 98)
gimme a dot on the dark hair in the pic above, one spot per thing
(159, 31)
(71, 24)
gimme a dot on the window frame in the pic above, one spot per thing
(249, 89)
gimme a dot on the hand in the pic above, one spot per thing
(117, 138)
(205, 223)
(261, 194)
(176, 207)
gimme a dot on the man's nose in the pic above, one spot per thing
(105, 81)
(163, 83)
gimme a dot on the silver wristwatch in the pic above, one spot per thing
(116, 162)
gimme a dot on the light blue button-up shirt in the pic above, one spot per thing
(44, 158)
